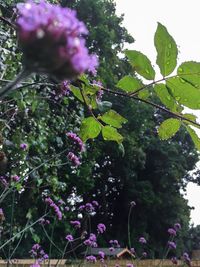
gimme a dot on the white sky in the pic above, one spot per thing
(182, 19)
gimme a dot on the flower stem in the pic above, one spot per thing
(11, 86)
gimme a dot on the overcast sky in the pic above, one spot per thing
(182, 19)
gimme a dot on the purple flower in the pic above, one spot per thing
(23, 146)
(111, 249)
(15, 178)
(116, 243)
(95, 203)
(186, 257)
(171, 231)
(76, 140)
(177, 226)
(174, 260)
(101, 254)
(91, 241)
(74, 159)
(101, 228)
(51, 38)
(144, 254)
(65, 88)
(4, 181)
(129, 265)
(56, 209)
(142, 240)
(82, 207)
(76, 224)
(91, 258)
(171, 244)
(69, 238)
(89, 207)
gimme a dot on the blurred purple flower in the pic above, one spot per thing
(177, 226)
(23, 146)
(144, 254)
(76, 224)
(101, 254)
(142, 240)
(15, 178)
(171, 244)
(101, 228)
(69, 238)
(57, 36)
(74, 159)
(91, 258)
(171, 231)
(76, 140)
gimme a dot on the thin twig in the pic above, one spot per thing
(151, 104)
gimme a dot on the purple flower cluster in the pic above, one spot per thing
(15, 178)
(3, 181)
(23, 146)
(77, 145)
(73, 158)
(51, 38)
(101, 228)
(114, 243)
(76, 224)
(91, 258)
(171, 245)
(89, 207)
(101, 254)
(65, 88)
(144, 254)
(129, 265)
(186, 258)
(177, 226)
(142, 240)
(172, 231)
(56, 209)
(69, 238)
(91, 241)
(76, 141)
(38, 253)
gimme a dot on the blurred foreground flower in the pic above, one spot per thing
(51, 38)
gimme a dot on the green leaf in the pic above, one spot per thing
(190, 72)
(166, 50)
(76, 92)
(90, 128)
(110, 133)
(191, 117)
(113, 118)
(144, 94)
(165, 97)
(184, 93)
(168, 128)
(129, 84)
(194, 137)
(141, 64)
